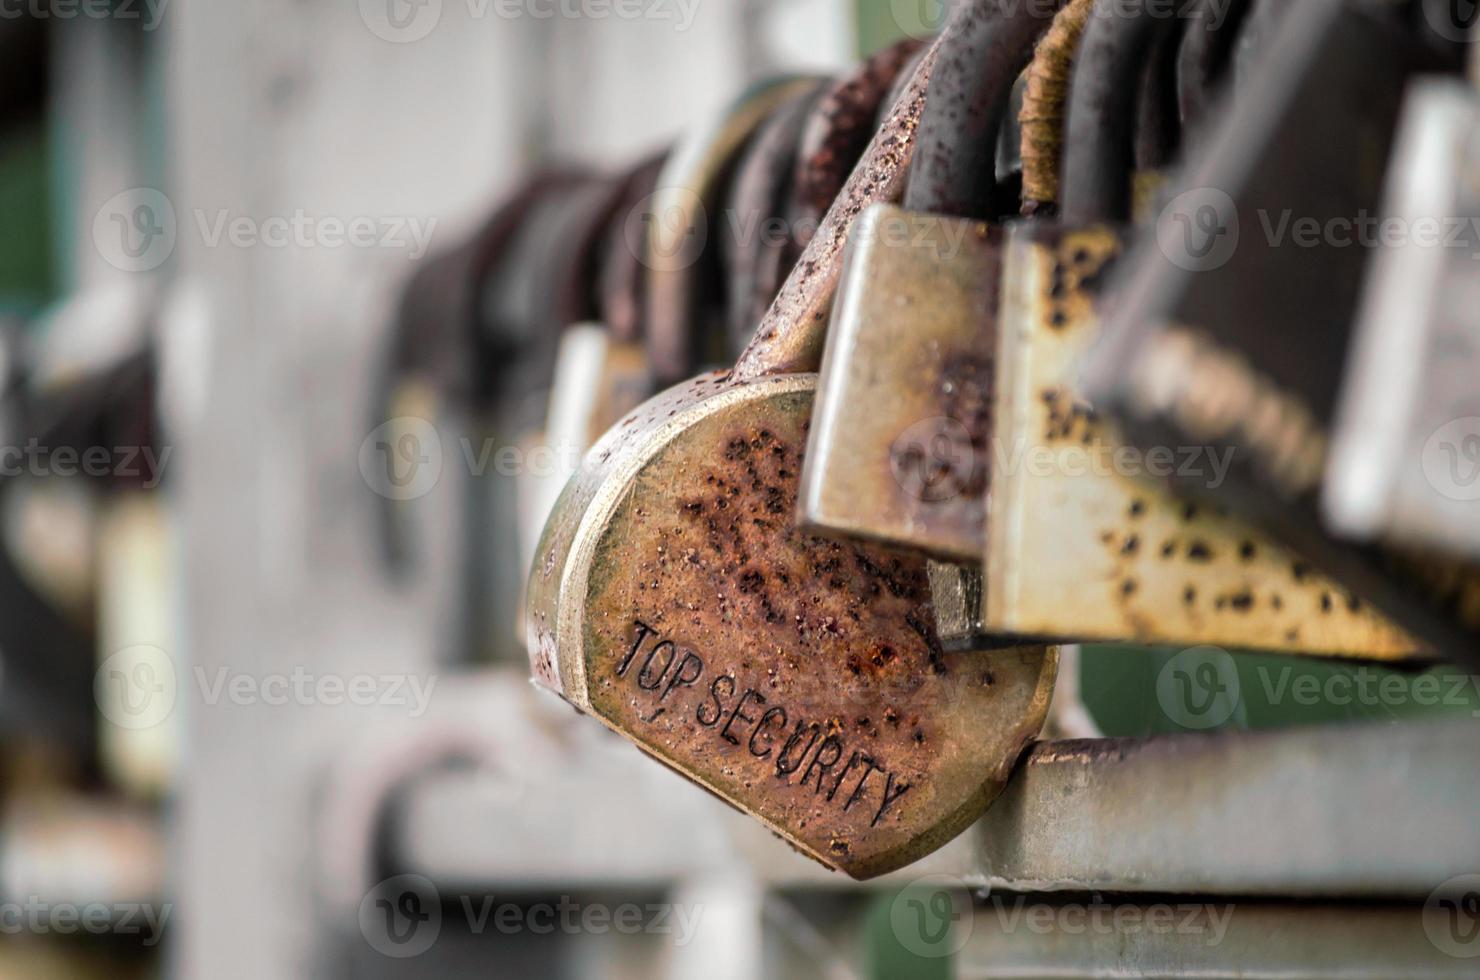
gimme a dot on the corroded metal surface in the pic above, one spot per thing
(899, 451)
(1074, 513)
(790, 337)
(984, 48)
(798, 678)
(838, 133)
(1046, 103)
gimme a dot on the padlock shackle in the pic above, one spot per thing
(857, 104)
(1104, 96)
(1045, 104)
(620, 272)
(984, 48)
(790, 337)
(678, 253)
(758, 189)
(1206, 55)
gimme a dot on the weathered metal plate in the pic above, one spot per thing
(1082, 542)
(898, 451)
(798, 678)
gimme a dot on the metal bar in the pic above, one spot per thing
(1349, 811)
(1022, 938)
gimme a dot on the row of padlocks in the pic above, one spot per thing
(1078, 322)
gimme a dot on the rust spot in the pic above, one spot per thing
(1199, 551)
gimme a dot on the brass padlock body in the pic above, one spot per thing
(1082, 541)
(799, 678)
(899, 437)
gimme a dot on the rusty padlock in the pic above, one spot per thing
(897, 453)
(1080, 539)
(782, 197)
(601, 371)
(436, 364)
(800, 679)
(677, 221)
(1231, 333)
